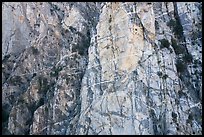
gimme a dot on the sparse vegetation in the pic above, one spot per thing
(179, 49)
(46, 109)
(164, 43)
(190, 118)
(165, 76)
(176, 27)
(171, 23)
(181, 93)
(55, 71)
(78, 48)
(188, 58)
(82, 46)
(159, 73)
(34, 50)
(72, 29)
(156, 25)
(180, 65)
(43, 84)
(195, 35)
(81, 50)
(171, 51)
(6, 57)
(197, 62)
(174, 116)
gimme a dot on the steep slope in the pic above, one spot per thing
(102, 68)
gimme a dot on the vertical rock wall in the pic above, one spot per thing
(102, 68)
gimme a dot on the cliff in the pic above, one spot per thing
(102, 68)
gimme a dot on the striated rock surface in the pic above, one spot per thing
(102, 68)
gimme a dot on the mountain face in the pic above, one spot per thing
(102, 68)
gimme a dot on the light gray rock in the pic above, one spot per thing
(102, 68)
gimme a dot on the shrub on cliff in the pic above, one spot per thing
(188, 58)
(176, 27)
(164, 43)
(34, 50)
(179, 49)
(180, 65)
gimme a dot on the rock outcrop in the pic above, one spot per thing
(102, 68)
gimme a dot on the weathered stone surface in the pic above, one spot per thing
(102, 68)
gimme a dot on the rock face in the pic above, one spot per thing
(102, 68)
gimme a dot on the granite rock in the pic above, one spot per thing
(102, 68)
